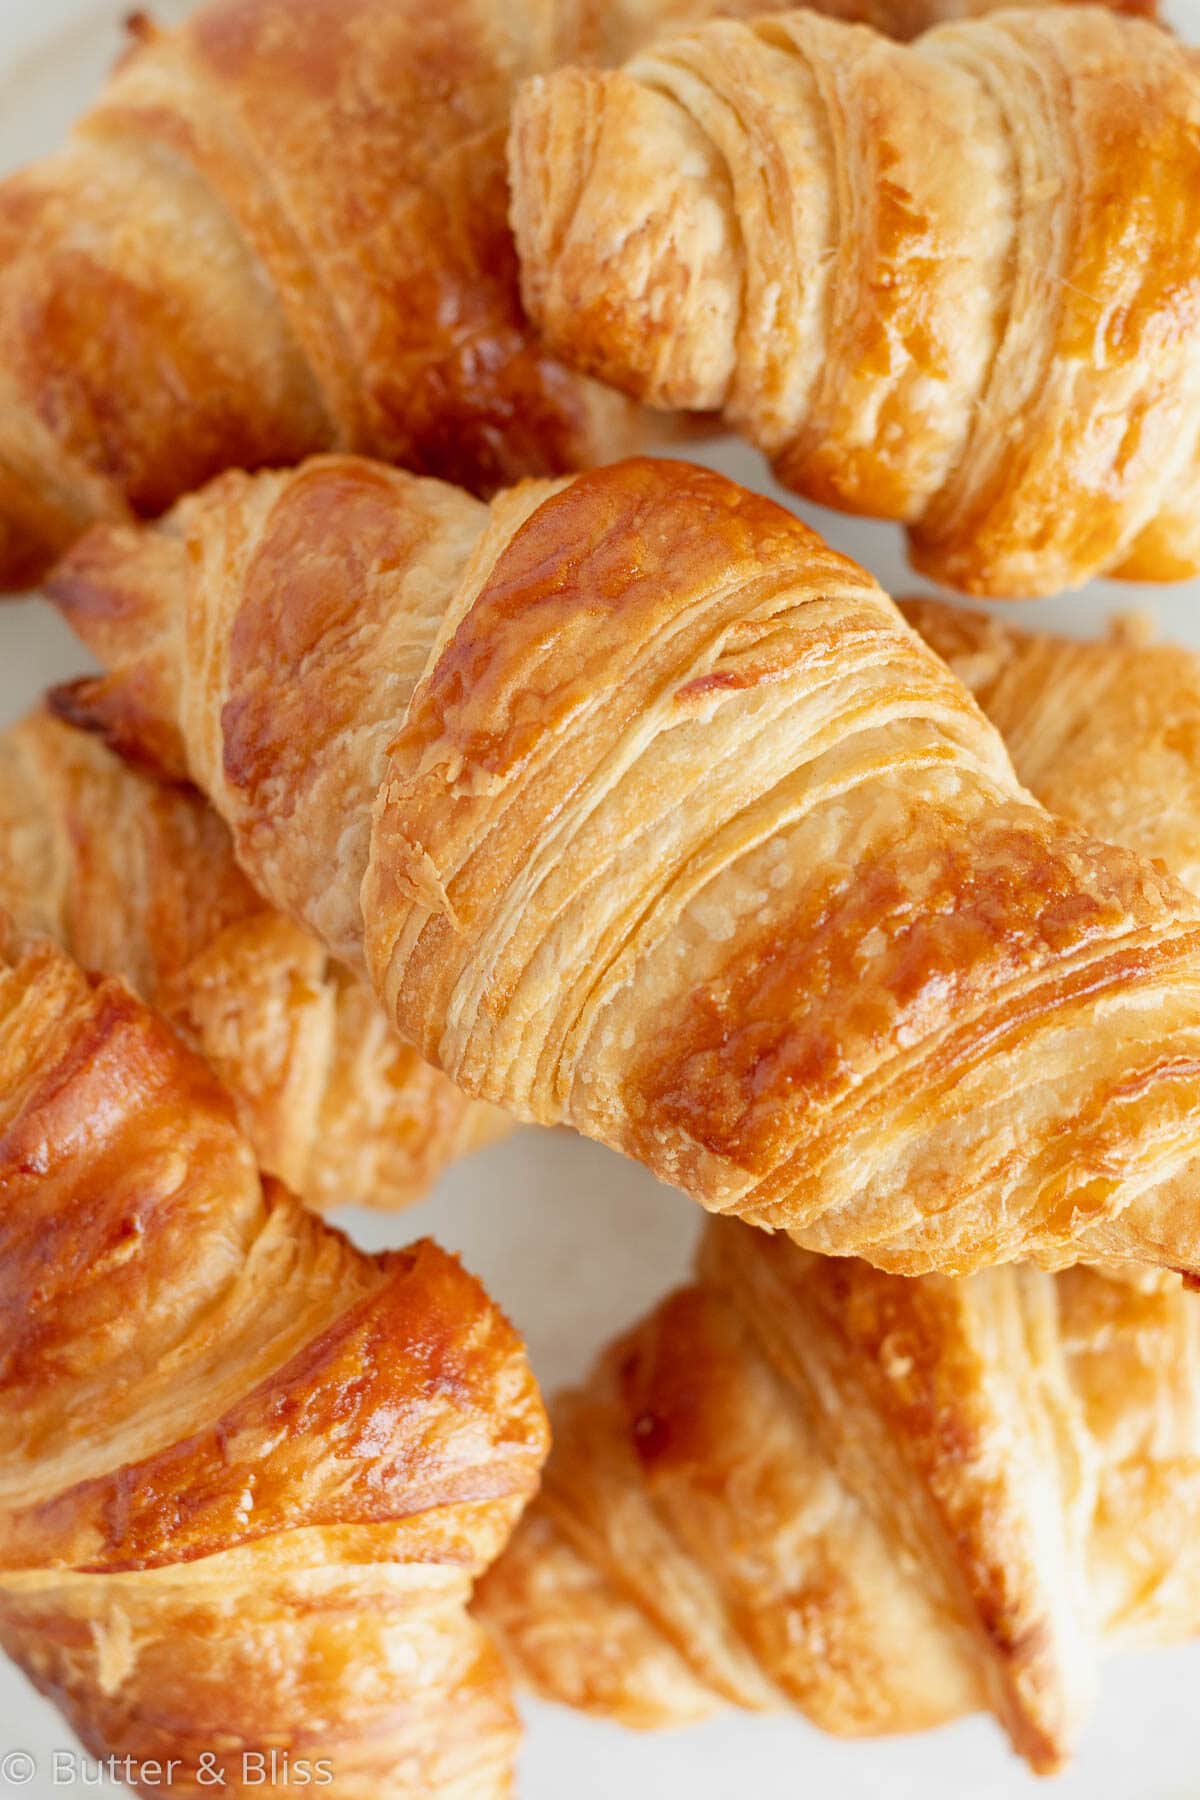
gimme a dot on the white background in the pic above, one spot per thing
(575, 1242)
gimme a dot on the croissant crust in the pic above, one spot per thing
(647, 813)
(950, 283)
(248, 1471)
(804, 1483)
(138, 878)
(795, 1466)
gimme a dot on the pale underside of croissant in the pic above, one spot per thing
(249, 1473)
(648, 814)
(802, 1482)
(138, 879)
(283, 229)
(954, 283)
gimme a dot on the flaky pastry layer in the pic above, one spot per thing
(953, 283)
(248, 1473)
(647, 813)
(137, 878)
(801, 1482)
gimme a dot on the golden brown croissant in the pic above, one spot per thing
(649, 815)
(138, 879)
(725, 1425)
(283, 229)
(884, 1502)
(952, 283)
(248, 1472)
(1106, 733)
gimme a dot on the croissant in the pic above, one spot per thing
(898, 18)
(647, 814)
(804, 1483)
(283, 229)
(249, 1471)
(720, 1504)
(1106, 733)
(951, 283)
(138, 879)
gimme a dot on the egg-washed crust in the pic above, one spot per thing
(646, 813)
(272, 235)
(952, 282)
(137, 877)
(1105, 732)
(812, 1438)
(801, 1482)
(249, 1471)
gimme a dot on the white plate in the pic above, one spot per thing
(576, 1242)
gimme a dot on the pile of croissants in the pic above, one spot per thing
(449, 760)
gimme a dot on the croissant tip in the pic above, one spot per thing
(72, 703)
(139, 25)
(102, 706)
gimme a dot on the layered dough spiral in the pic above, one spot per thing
(248, 1472)
(138, 879)
(953, 283)
(282, 229)
(796, 1467)
(648, 814)
(883, 1502)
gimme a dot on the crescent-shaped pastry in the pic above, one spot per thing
(281, 229)
(248, 1472)
(648, 814)
(794, 1467)
(952, 283)
(883, 1502)
(137, 878)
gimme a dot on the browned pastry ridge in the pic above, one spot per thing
(282, 229)
(901, 18)
(249, 1473)
(887, 1502)
(138, 879)
(648, 814)
(1105, 732)
(801, 1482)
(955, 283)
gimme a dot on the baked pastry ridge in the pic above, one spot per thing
(796, 1467)
(137, 877)
(249, 1472)
(949, 282)
(648, 814)
(801, 1482)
